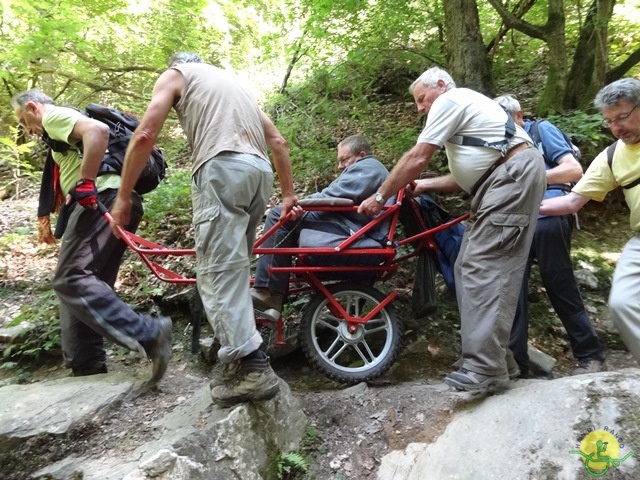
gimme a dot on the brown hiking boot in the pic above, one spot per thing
(160, 349)
(254, 380)
(222, 373)
(270, 304)
(590, 365)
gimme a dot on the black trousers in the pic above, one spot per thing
(551, 248)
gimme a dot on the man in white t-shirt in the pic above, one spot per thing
(492, 158)
(232, 180)
(618, 103)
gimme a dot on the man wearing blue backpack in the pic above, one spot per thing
(551, 248)
(90, 255)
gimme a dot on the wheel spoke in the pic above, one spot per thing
(371, 358)
(325, 323)
(360, 353)
(340, 350)
(383, 327)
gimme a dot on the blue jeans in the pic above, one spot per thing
(87, 269)
(551, 247)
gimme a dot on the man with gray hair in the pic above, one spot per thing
(232, 179)
(618, 103)
(492, 158)
(551, 247)
(361, 176)
(90, 255)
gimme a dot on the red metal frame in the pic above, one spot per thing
(309, 274)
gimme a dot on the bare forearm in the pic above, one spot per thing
(564, 205)
(282, 164)
(568, 170)
(408, 168)
(444, 183)
(135, 160)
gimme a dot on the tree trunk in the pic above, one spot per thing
(619, 71)
(590, 60)
(553, 33)
(468, 61)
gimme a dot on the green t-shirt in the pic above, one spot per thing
(59, 123)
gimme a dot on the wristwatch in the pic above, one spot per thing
(379, 198)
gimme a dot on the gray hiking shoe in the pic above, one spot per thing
(467, 380)
(222, 373)
(590, 365)
(159, 350)
(254, 380)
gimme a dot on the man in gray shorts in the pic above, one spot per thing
(493, 159)
(231, 183)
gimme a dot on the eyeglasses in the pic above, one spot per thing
(619, 119)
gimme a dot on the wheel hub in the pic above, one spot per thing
(351, 333)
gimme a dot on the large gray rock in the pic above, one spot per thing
(540, 361)
(199, 441)
(528, 431)
(55, 407)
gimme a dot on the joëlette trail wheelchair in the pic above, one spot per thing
(349, 329)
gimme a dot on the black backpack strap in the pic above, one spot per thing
(509, 132)
(636, 182)
(610, 151)
(57, 146)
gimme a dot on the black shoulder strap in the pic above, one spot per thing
(509, 131)
(57, 146)
(610, 151)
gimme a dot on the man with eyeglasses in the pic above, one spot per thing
(361, 176)
(551, 248)
(618, 103)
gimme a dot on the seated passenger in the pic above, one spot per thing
(361, 176)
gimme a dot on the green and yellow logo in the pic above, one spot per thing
(600, 450)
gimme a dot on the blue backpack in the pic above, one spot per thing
(447, 240)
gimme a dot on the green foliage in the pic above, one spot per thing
(585, 129)
(171, 200)
(312, 438)
(291, 465)
(13, 160)
(42, 329)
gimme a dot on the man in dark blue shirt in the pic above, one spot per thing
(551, 247)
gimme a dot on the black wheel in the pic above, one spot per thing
(350, 357)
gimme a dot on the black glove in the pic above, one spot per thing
(85, 193)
